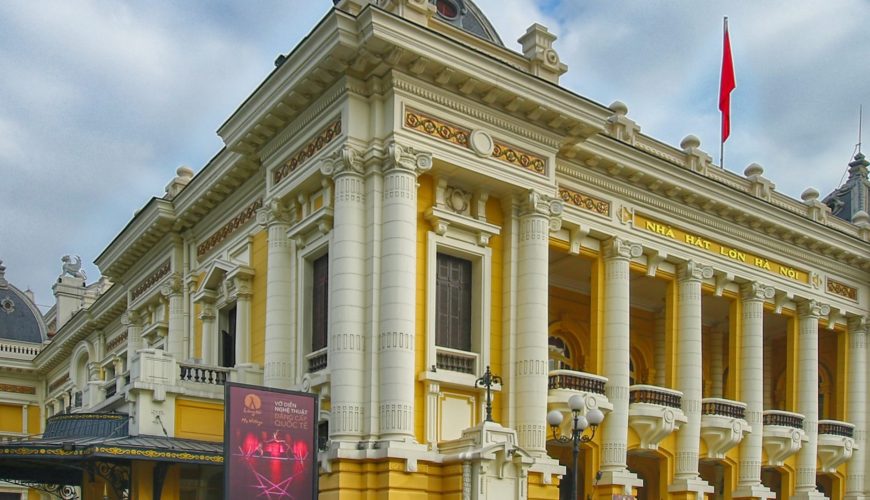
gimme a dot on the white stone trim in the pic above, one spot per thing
(452, 243)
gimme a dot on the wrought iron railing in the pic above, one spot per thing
(836, 428)
(723, 407)
(77, 399)
(210, 375)
(651, 394)
(317, 360)
(783, 418)
(576, 381)
(456, 361)
(111, 388)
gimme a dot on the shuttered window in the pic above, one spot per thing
(453, 303)
(320, 303)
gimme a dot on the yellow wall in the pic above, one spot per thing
(10, 418)
(425, 199)
(34, 420)
(494, 215)
(259, 262)
(199, 420)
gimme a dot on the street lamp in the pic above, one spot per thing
(593, 419)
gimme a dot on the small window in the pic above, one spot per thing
(453, 306)
(320, 303)
(228, 338)
(559, 354)
(447, 8)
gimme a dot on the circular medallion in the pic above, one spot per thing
(481, 143)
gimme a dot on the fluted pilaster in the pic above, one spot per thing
(857, 406)
(279, 355)
(398, 291)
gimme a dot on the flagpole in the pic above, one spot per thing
(721, 120)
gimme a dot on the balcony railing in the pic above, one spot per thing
(651, 394)
(198, 374)
(317, 360)
(111, 388)
(723, 407)
(9, 349)
(456, 361)
(576, 381)
(836, 428)
(783, 418)
(77, 399)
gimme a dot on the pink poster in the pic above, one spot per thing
(269, 443)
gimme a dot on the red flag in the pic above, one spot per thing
(726, 85)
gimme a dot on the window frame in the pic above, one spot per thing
(461, 244)
(305, 303)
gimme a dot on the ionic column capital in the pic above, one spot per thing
(208, 311)
(275, 213)
(617, 248)
(857, 324)
(693, 271)
(345, 161)
(130, 318)
(754, 291)
(172, 285)
(408, 159)
(812, 309)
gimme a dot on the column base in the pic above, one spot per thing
(754, 492)
(856, 496)
(612, 483)
(689, 489)
(808, 495)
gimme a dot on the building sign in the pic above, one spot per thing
(734, 254)
(270, 438)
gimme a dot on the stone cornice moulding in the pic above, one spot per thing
(750, 207)
(620, 162)
(151, 223)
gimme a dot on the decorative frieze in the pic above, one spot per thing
(841, 289)
(584, 201)
(17, 389)
(304, 153)
(116, 342)
(144, 285)
(435, 127)
(229, 228)
(459, 136)
(59, 382)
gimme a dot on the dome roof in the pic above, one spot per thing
(20, 319)
(467, 16)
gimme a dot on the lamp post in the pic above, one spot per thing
(593, 419)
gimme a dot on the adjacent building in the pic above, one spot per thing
(404, 202)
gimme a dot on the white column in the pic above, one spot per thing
(751, 375)
(808, 395)
(243, 320)
(346, 296)
(857, 403)
(690, 377)
(617, 255)
(133, 323)
(209, 346)
(175, 338)
(396, 339)
(278, 357)
(659, 347)
(530, 371)
(24, 418)
(717, 365)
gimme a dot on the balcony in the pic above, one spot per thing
(199, 374)
(317, 360)
(723, 425)
(455, 360)
(783, 435)
(836, 444)
(654, 413)
(565, 383)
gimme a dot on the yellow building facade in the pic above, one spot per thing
(405, 202)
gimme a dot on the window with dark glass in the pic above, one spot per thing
(453, 303)
(228, 340)
(320, 303)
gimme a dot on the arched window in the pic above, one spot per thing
(559, 354)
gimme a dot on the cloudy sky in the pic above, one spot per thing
(100, 101)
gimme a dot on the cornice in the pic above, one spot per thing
(692, 218)
(148, 226)
(690, 189)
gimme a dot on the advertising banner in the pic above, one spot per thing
(270, 438)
